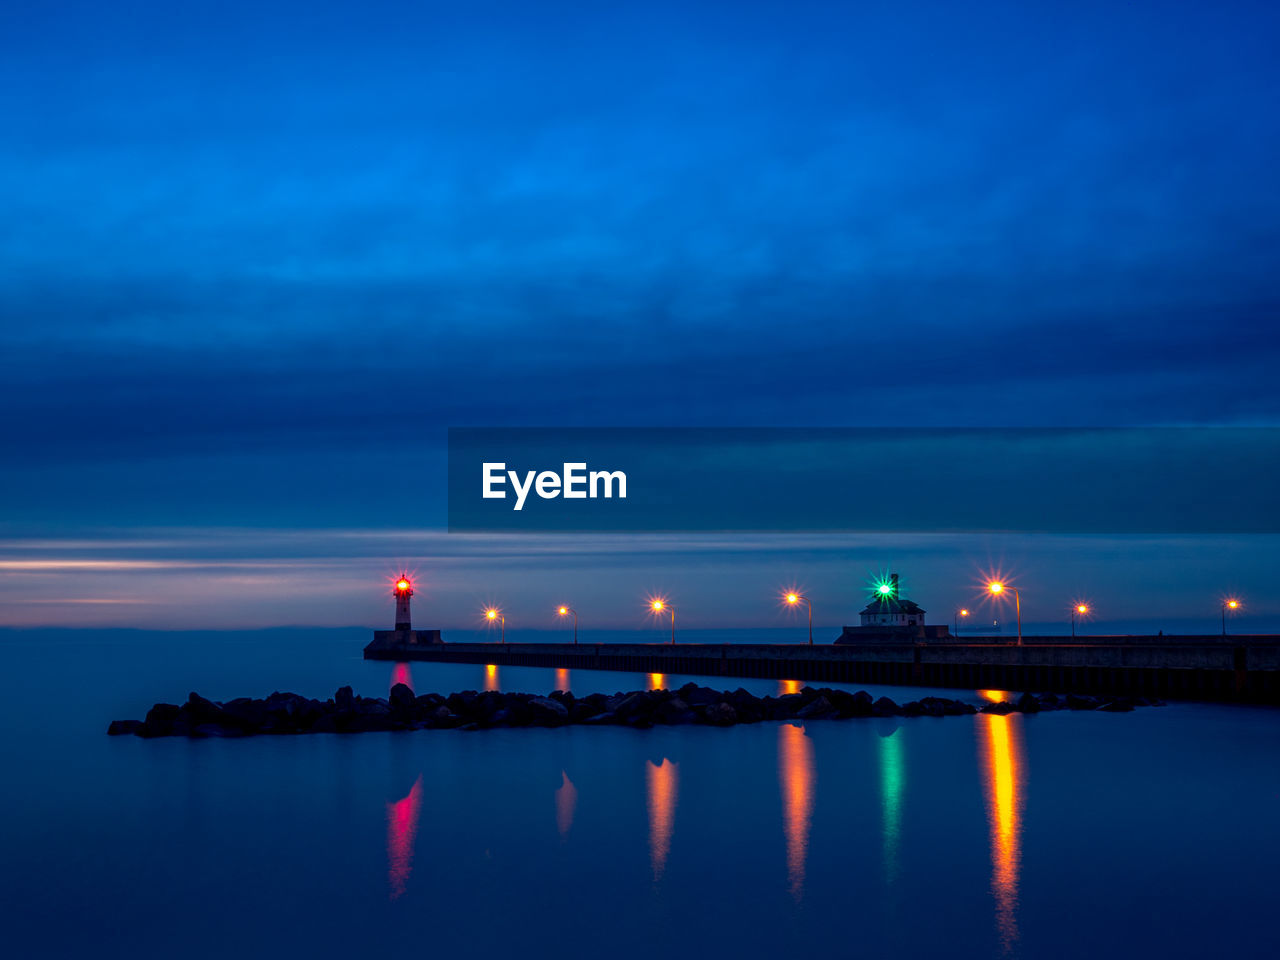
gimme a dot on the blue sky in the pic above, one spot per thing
(256, 260)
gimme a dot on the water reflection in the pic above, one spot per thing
(657, 681)
(1001, 749)
(797, 778)
(400, 674)
(562, 679)
(566, 804)
(663, 783)
(892, 783)
(491, 676)
(789, 686)
(402, 828)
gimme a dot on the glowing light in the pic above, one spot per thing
(1000, 746)
(793, 598)
(658, 606)
(663, 782)
(563, 611)
(884, 589)
(1233, 604)
(1082, 608)
(566, 804)
(797, 779)
(964, 612)
(402, 585)
(892, 783)
(995, 586)
(491, 614)
(402, 828)
(400, 674)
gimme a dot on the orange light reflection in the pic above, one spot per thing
(562, 679)
(663, 782)
(789, 686)
(657, 681)
(491, 676)
(797, 778)
(1002, 751)
(566, 804)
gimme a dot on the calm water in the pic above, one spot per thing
(1054, 835)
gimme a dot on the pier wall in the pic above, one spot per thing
(1198, 668)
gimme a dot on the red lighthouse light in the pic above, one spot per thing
(402, 585)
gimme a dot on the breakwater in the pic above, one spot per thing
(289, 713)
(1242, 668)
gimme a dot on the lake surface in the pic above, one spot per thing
(1053, 835)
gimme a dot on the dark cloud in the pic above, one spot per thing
(244, 248)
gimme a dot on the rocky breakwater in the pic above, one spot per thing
(289, 713)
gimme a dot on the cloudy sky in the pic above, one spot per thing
(255, 261)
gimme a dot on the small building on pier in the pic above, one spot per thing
(892, 617)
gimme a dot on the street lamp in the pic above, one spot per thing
(492, 614)
(1083, 610)
(661, 606)
(564, 612)
(793, 599)
(997, 588)
(1231, 604)
(961, 614)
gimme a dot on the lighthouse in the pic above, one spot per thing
(403, 636)
(403, 591)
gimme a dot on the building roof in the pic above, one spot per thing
(883, 605)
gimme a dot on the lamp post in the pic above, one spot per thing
(493, 614)
(564, 612)
(793, 599)
(960, 614)
(997, 588)
(658, 607)
(1229, 604)
(1080, 608)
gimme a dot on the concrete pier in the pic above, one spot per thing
(1240, 668)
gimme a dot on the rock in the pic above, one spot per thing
(884, 707)
(848, 704)
(673, 710)
(720, 715)
(344, 699)
(249, 715)
(401, 701)
(547, 712)
(818, 707)
(789, 704)
(1003, 708)
(697, 696)
(942, 707)
(1027, 704)
(160, 720)
(120, 728)
(635, 705)
(201, 711)
(1077, 701)
(1119, 705)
